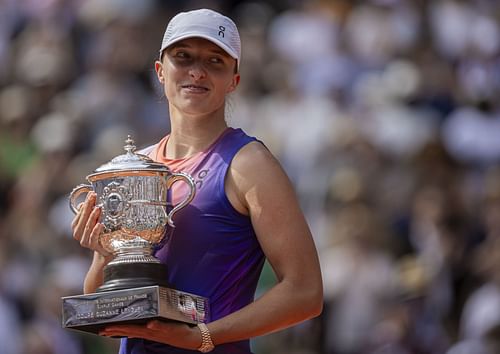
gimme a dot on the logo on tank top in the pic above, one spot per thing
(200, 177)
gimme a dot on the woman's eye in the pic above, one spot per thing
(181, 55)
(215, 60)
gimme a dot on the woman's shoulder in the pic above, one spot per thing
(255, 162)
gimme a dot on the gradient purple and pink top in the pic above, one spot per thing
(213, 250)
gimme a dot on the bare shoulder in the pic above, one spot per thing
(254, 177)
(254, 163)
(252, 153)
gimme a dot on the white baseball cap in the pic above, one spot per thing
(207, 24)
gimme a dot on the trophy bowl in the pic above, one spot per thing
(134, 194)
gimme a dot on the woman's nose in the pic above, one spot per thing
(197, 71)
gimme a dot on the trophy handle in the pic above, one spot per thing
(75, 193)
(180, 176)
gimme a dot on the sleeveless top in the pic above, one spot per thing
(213, 250)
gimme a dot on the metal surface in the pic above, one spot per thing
(92, 312)
(133, 192)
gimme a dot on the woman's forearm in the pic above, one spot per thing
(95, 276)
(282, 306)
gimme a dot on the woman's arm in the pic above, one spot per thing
(256, 182)
(95, 275)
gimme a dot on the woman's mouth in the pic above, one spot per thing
(195, 88)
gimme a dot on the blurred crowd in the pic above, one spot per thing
(384, 113)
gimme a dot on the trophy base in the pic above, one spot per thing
(133, 275)
(92, 312)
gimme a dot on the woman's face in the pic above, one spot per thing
(196, 75)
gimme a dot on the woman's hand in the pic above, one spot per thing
(85, 225)
(177, 334)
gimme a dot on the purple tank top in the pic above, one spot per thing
(213, 250)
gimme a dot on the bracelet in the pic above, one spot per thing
(206, 340)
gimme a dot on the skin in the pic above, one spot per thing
(196, 76)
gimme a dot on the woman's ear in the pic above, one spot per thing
(235, 82)
(159, 72)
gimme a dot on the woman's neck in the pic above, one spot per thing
(192, 134)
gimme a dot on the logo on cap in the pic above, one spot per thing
(221, 31)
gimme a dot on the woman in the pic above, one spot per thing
(244, 211)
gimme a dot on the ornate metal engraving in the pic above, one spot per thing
(115, 204)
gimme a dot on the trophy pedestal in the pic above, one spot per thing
(133, 275)
(93, 312)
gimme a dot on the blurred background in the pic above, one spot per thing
(384, 113)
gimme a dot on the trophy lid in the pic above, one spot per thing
(130, 161)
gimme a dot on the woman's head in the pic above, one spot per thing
(199, 60)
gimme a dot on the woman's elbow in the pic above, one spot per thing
(317, 302)
(313, 302)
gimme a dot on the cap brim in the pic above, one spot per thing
(198, 35)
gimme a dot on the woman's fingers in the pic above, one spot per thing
(83, 215)
(91, 224)
(94, 240)
(76, 219)
(86, 226)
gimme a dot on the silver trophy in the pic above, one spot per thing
(134, 194)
